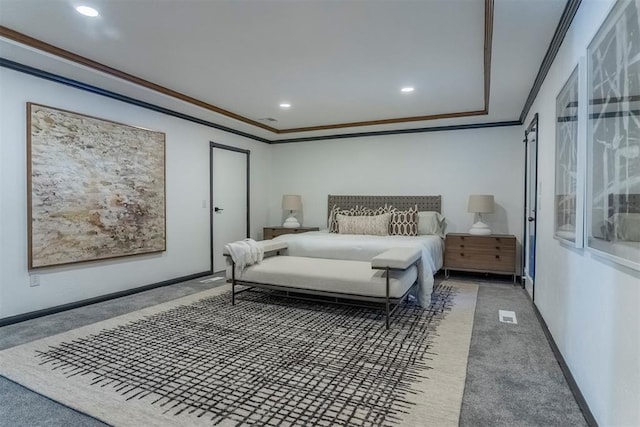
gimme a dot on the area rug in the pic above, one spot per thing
(268, 361)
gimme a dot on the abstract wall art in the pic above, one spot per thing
(569, 164)
(613, 165)
(95, 188)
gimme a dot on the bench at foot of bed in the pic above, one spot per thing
(387, 279)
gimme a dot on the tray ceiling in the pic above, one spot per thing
(340, 65)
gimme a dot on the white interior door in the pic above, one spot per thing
(531, 206)
(229, 199)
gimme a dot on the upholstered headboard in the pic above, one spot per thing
(619, 203)
(425, 203)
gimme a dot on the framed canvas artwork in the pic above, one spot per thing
(613, 165)
(95, 188)
(569, 191)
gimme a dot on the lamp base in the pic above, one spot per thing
(291, 222)
(480, 229)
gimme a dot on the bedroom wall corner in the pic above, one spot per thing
(590, 305)
(187, 186)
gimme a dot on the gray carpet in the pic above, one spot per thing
(513, 378)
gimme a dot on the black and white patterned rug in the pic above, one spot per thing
(266, 361)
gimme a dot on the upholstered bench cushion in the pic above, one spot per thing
(329, 275)
(396, 258)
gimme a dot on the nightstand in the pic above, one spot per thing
(271, 232)
(495, 253)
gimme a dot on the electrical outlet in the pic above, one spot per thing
(34, 280)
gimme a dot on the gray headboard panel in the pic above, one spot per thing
(425, 203)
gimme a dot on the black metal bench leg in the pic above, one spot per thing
(387, 302)
(233, 283)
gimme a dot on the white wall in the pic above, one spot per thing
(591, 305)
(187, 185)
(453, 164)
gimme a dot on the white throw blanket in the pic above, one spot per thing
(244, 252)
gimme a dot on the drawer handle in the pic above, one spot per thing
(462, 246)
(497, 256)
(498, 247)
(461, 254)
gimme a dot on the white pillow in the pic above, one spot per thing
(376, 225)
(430, 222)
(626, 226)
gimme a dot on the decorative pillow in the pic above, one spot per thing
(332, 221)
(333, 217)
(357, 211)
(626, 226)
(375, 225)
(431, 222)
(378, 211)
(404, 223)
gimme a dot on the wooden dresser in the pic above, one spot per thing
(271, 232)
(495, 253)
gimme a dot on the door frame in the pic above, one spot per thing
(533, 127)
(213, 145)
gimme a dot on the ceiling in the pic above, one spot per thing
(340, 64)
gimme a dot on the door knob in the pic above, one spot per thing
(530, 219)
(217, 209)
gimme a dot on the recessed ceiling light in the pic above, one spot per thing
(285, 105)
(407, 89)
(87, 11)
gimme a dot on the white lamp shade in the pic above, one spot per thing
(291, 202)
(480, 203)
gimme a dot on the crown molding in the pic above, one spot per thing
(566, 19)
(399, 131)
(40, 45)
(6, 63)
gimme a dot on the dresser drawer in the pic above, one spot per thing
(480, 261)
(503, 244)
(279, 232)
(271, 232)
(489, 254)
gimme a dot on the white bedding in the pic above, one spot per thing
(322, 244)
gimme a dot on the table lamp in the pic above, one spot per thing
(480, 203)
(291, 203)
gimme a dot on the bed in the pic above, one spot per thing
(322, 244)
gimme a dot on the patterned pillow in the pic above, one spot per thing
(374, 225)
(404, 223)
(333, 217)
(378, 211)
